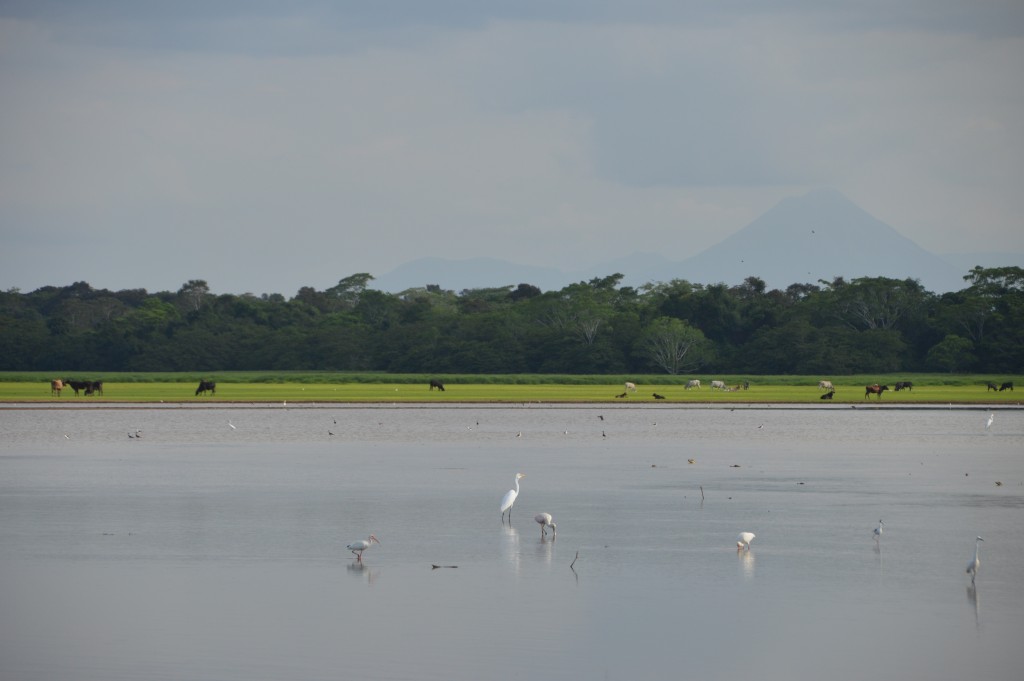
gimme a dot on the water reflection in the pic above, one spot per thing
(545, 549)
(878, 552)
(972, 598)
(362, 571)
(746, 562)
(510, 547)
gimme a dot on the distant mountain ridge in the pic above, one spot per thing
(820, 235)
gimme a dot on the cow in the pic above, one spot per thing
(875, 390)
(630, 387)
(205, 386)
(1006, 386)
(904, 385)
(746, 385)
(96, 387)
(825, 385)
(718, 385)
(56, 385)
(434, 383)
(991, 386)
(619, 397)
(829, 395)
(695, 383)
(78, 385)
(658, 397)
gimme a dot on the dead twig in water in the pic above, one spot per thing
(574, 561)
(434, 567)
(702, 493)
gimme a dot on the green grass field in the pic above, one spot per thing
(309, 387)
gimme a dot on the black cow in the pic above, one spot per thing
(1006, 386)
(991, 386)
(658, 397)
(96, 387)
(205, 386)
(905, 385)
(434, 383)
(78, 385)
(828, 395)
(875, 390)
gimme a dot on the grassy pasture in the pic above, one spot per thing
(311, 387)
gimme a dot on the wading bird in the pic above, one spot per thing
(509, 499)
(546, 521)
(878, 530)
(991, 418)
(972, 567)
(743, 541)
(357, 547)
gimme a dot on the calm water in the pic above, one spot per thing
(202, 551)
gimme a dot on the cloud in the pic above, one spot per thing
(264, 147)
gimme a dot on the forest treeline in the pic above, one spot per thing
(870, 324)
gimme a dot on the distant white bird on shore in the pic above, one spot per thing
(743, 541)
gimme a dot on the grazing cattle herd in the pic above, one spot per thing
(89, 388)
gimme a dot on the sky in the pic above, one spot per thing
(267, 146)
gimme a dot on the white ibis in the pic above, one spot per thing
(357, 547)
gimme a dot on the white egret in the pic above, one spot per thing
(878, 530)
(546, 521)
(509, 499)
(972, 567)
(991, 418)
(743, 541)
(357, 547)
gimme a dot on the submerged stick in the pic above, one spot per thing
(702, 492)
(434, 567)
(574, 561)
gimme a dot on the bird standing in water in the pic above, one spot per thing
(743, 541)
(972, 567)
(509, 499)
(546, 521)
(357, 547)
(878, 530)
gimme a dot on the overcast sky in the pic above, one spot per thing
(265, 146)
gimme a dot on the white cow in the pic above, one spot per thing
(718, 385)
(826, 386)
(630, 387)
(695, 383)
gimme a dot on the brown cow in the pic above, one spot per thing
(875, 390)
(56, 385)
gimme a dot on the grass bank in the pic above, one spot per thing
(299, 387)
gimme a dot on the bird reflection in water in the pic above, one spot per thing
(360, 570)
(972, 598)
(746, 562)
(510, 547)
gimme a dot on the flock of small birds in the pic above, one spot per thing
(545, 520)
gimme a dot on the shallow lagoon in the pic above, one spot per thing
(206, 551)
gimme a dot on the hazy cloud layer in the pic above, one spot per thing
(267, 146)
